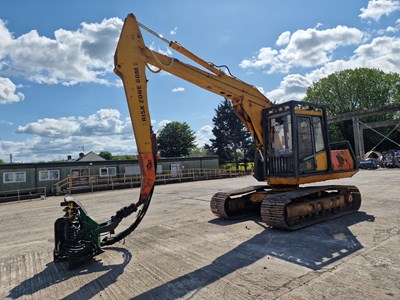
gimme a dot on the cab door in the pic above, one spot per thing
(312, 148)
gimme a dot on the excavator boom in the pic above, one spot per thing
(132, 54)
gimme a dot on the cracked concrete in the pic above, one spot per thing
(181, 251)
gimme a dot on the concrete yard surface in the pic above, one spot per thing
(182, 251)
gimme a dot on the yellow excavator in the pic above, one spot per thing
(292, 148)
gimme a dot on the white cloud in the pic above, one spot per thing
(292, 87)
(304, 48)
(266, 56)
(54, 139)
(5, 38)
(16, 148)
(173, 31)
(393, 29)
(166, 51)
(162, 124)
(51, 127)
(203, 135)
(4, 122)
(261, 89)
(312, 47)
(84, 55)
(283, 39)
(8, 93)
(178, 90)
(104, 122)
(381, 53)
(378, 8)
(41, 148)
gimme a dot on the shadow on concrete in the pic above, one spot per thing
(313, 247)
(55, 273)
(228, 222)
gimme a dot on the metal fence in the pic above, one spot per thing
(22, 194)
(92, 183)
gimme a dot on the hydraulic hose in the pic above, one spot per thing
(127, 211)
(123, 234)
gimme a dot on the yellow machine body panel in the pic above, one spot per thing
(280, 181)
(321, 161)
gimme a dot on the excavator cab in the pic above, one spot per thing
(297, 148)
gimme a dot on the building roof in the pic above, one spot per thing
(91, 156)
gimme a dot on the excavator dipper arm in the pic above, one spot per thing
(130, 67)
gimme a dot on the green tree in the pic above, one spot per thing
(124, 157)
(232, 139)
(106, 155)
(175, 140)
(2, 161)
(196, 152)
(355, 90)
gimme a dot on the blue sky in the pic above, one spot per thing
(58, 92)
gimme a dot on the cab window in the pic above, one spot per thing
(305, 137)
(281, 128)
(318, 135)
